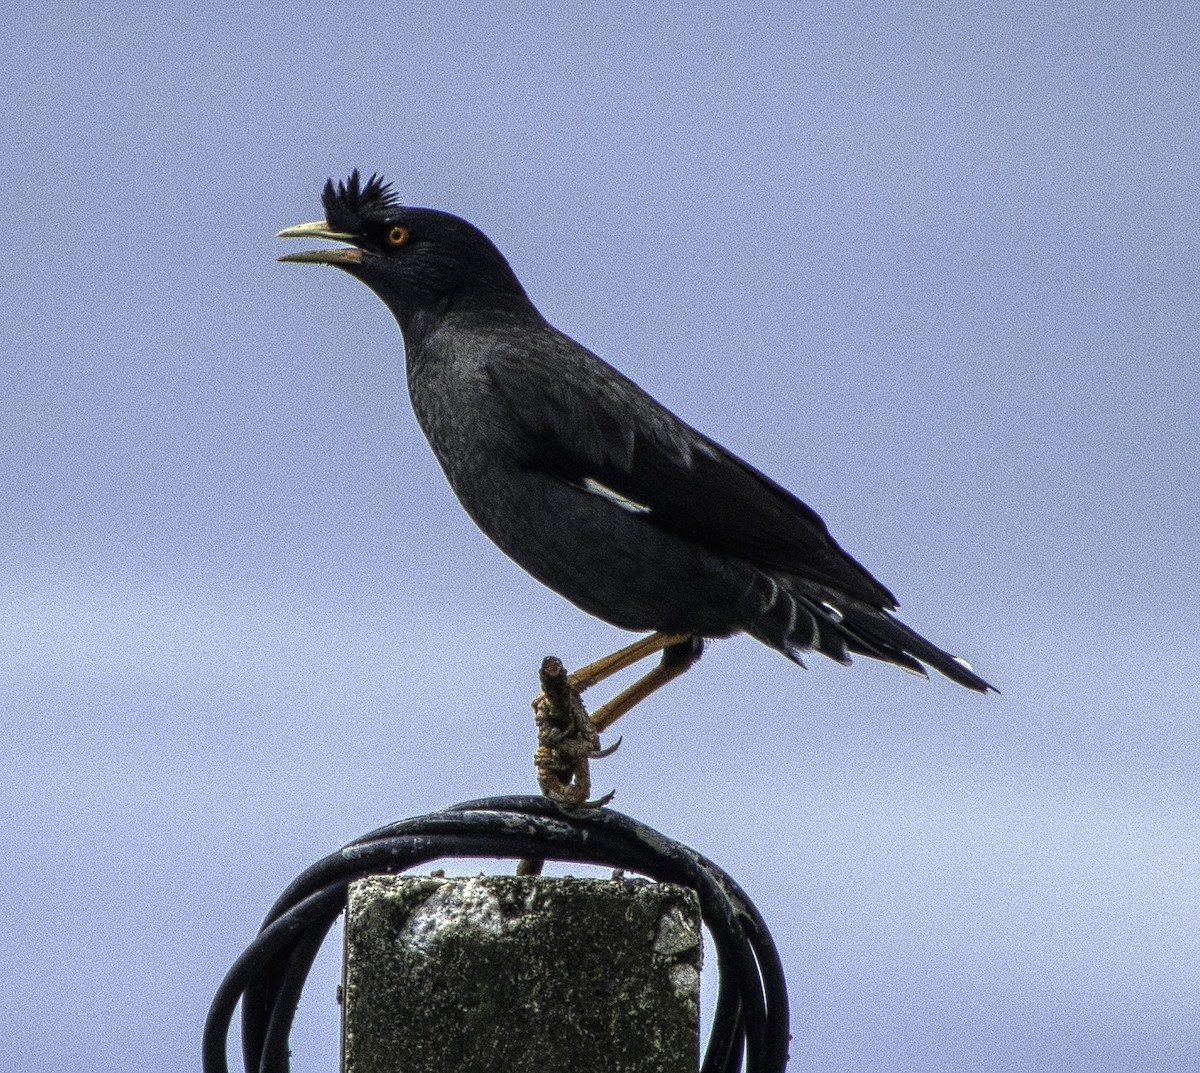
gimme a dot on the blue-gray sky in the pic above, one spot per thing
(934, 268)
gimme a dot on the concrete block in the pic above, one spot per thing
(508, 974)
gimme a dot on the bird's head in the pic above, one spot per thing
(412, 258)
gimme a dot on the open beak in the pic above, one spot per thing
(320, 229)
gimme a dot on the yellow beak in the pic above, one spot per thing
(316, 229)
(320, 229)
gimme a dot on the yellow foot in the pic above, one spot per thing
(567, 741)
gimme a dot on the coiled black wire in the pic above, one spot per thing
(750, 1020)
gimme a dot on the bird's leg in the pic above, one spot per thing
(568, 739)
(606, 666)
(679, 653)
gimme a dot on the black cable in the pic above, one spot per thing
(750, 1020)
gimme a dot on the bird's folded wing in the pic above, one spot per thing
(584, 423)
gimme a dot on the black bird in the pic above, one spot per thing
(587, 482)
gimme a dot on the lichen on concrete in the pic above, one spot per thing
(506, 973)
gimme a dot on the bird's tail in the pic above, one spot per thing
(795, 616)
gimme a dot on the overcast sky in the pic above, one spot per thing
(933, 268)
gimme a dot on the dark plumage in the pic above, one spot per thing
(582, 478)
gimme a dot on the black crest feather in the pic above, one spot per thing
(351, 202)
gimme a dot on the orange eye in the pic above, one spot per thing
(397, 236)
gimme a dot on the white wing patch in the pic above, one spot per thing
(604, 492)
(834, 613)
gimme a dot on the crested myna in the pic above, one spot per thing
(588, 483)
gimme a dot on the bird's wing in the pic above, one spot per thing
(585, 423)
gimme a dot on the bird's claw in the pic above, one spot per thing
(607, 751)
(567, 741)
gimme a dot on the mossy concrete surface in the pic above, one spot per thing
(508, 974)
